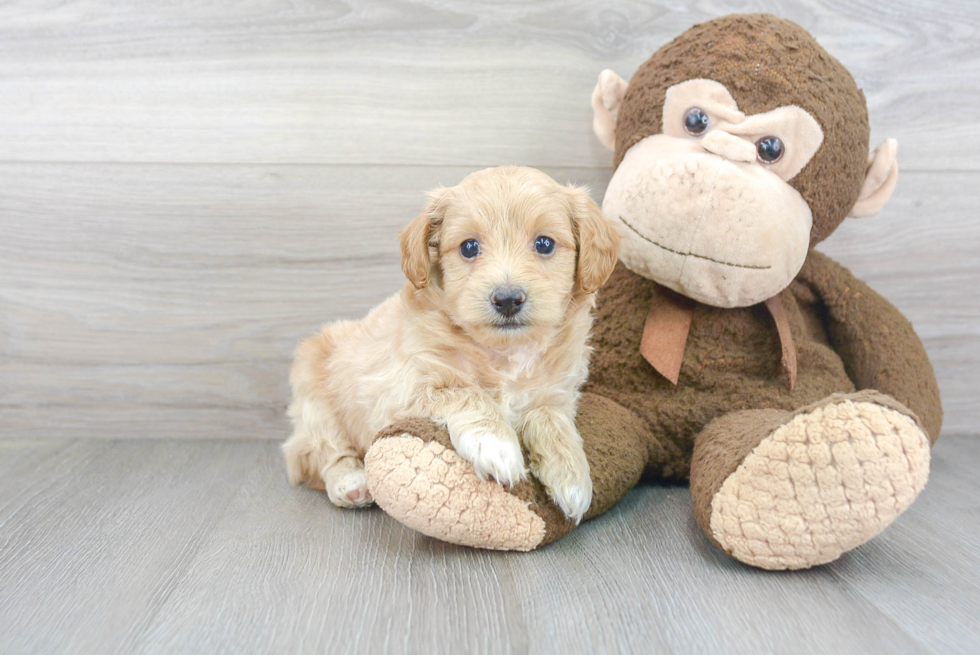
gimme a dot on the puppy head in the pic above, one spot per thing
(506, 251)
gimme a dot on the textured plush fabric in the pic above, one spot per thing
(722, 446)
(435, 491)
(632, 419)
(792, 123)
(765, 62)
(530, 492)
(614, 446)
(823, 482)
(864, 388)
(877, 344)
(733, 361)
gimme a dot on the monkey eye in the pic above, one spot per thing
(695, 121)
(770, 149)
(469, 248)
(544, 245)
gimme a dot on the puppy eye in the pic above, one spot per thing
(695, 122)
(469, 248)
(544, 245)
(770, 149)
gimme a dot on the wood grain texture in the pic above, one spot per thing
(440, 82)
(94, 534)
(158, 301)
(188, 188)
(202, 547)
(940, 531)
(367, 584)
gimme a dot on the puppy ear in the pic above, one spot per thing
(597, 238)
(421, 234)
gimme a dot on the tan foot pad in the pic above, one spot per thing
(825, 482)
(430, 488)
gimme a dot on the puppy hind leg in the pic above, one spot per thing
(302, 455)
(319, 455)
(346, 483)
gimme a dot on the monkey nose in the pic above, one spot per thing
(729, 146)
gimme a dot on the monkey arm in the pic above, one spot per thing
(878, 345)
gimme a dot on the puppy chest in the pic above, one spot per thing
(514, 403)
(521, 396)
(523, 378)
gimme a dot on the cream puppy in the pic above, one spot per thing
(488, 339)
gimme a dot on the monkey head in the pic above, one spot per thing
(738, 146)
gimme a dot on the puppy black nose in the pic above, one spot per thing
(508, 300)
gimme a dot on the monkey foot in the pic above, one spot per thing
(430, 488)
(826, 481)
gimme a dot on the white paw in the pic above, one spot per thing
(492, 456)
(348, 489)
(565, 474)
(574, 499)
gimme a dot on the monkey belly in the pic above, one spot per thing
(732, 361)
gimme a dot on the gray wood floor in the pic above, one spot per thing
(188, 188)
(178, 546)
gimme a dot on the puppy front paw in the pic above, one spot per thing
(568, 483)
(346, 484)
(492, 456)
(573, 500)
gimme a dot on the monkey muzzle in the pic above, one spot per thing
(726, 233)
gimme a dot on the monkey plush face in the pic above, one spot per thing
(738, 146)
(705, 208)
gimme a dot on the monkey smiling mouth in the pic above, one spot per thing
(690, 254)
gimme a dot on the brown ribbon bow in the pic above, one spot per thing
(669, 322)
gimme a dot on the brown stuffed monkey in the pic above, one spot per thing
(798, 402)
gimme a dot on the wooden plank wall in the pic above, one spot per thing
(187, 188)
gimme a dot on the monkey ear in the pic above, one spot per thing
(416, 237)
(597, 240)
(879, 181)
(606, 99)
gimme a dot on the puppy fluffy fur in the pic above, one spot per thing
(440, 348)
